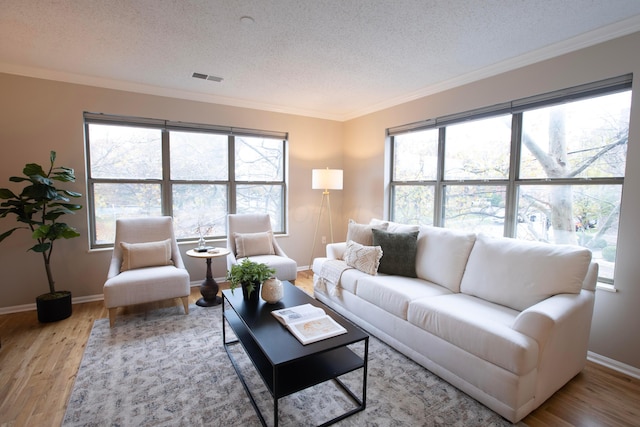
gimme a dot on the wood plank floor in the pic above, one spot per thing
(38, 364)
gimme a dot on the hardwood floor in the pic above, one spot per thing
(38, 364)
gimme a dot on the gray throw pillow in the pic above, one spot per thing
(398, 252)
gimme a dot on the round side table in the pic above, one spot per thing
(209, 287)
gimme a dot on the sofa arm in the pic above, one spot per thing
(336, 250)
(561, 325)
(540, 319)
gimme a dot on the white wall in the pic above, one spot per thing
(617, 317)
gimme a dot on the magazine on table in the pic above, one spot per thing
(308, 323)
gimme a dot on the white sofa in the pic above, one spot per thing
(505, 321)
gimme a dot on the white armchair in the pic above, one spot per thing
(146, 265)
(251, 236)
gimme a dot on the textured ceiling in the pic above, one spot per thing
(335, 59)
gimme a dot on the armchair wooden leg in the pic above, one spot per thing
(112, 316)
(185, 303)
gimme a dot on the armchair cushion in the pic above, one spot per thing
(249, 244)
(147, 254)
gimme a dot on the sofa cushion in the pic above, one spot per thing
(146, 254)
(394, 293)
(519, 274)
(249, 244)
(442, 255)
(364, 258)
(361, 233)
(398, 252)
(477, 326)
(350, 279)
(395, 227)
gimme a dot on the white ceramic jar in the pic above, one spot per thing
(272, 290)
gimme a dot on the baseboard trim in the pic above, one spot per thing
(18, 308)
(614, 364)
(75, 300)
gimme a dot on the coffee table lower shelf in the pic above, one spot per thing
(298, 375)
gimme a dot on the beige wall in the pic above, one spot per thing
(38, 115)
(617, 317)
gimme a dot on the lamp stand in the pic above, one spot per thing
(325, 195)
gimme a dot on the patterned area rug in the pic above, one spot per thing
(163, 368)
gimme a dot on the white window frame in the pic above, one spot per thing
(513, 183)
(166, 182)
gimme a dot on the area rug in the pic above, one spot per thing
(164, 368)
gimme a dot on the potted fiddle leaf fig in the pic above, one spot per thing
(249, 275)
(38, 208)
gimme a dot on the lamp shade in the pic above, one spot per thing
(326, 179)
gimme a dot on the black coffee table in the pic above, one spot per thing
(285, 365)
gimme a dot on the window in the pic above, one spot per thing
(548, 168)
(195, 173)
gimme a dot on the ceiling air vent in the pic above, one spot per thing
(206, 77)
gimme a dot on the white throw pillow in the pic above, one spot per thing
(364, 258)
(249, 244)
(519, 274)
(361, 233)
(147, 254)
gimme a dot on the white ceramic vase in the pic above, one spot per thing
(272, 290)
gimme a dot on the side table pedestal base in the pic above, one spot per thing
(209, 287)
(204, 303)
(209, 291)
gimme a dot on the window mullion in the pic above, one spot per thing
(511, 208)
(232, 175)
(392, 186)
(166, 191)
(285, 192)
(438, 211)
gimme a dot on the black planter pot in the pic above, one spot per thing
(53, 306)
(255, 294)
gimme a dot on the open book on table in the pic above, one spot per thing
(308, 323)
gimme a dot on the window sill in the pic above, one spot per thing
(606, 287)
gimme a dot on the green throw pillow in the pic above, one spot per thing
(398, 252)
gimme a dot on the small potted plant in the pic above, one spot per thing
(249, 275)
(38, 208)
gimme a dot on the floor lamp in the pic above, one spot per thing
(324, 179)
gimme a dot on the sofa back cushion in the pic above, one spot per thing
(519, 274)
(361, 233)
(442, 255)
(394, 227)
